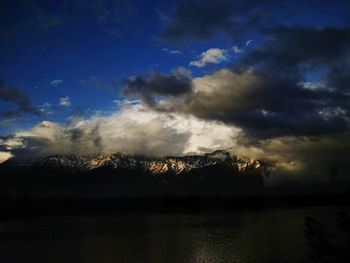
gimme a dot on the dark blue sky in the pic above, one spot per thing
(80, 43)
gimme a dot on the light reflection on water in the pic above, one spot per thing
(249, 236)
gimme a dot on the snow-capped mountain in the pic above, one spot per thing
(122, 175)
(154, 166)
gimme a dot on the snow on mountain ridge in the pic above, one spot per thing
(155, 166)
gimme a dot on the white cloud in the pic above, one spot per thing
(65, 102)
(125, 102)
(133, 130)
(315, 86)
(56, 82)
(172, 51)
(4, 156)
(331, 112)
(211, 56)
(137, 130)
(240, 50)
(237, 50)
(248, 42)
(46, 108)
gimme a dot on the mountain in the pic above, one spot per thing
(117, 174)
(154, 166)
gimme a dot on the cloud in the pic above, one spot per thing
(5, 156)
(56, 82)
(10, 94)
(133, 130)
(46, 108)
(172, 51)
(308, 160)
(158, 84)
(138, 131)
(263, 104)
(237, 50)
(238, 19)
(267, 91)
(293, 47)
(64, 102)
(203, 19)
(211, 56)
(124, 102)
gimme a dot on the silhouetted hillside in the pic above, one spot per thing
(119, 175)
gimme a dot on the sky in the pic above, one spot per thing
(266, 79)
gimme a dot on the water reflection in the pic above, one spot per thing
(264, 236)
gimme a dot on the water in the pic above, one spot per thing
(274, 235)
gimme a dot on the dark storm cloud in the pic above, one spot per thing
(77, 134)
(203, 19)
(309, 159)
(155, 84)
(269, 92)
(264, 104)
(48, 138)
(32, 147)
(291, 47)
(10, 94)
(273, 99)
(288, 56)
(9, 114)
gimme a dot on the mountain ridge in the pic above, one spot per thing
(112, 175)
(176, 165)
